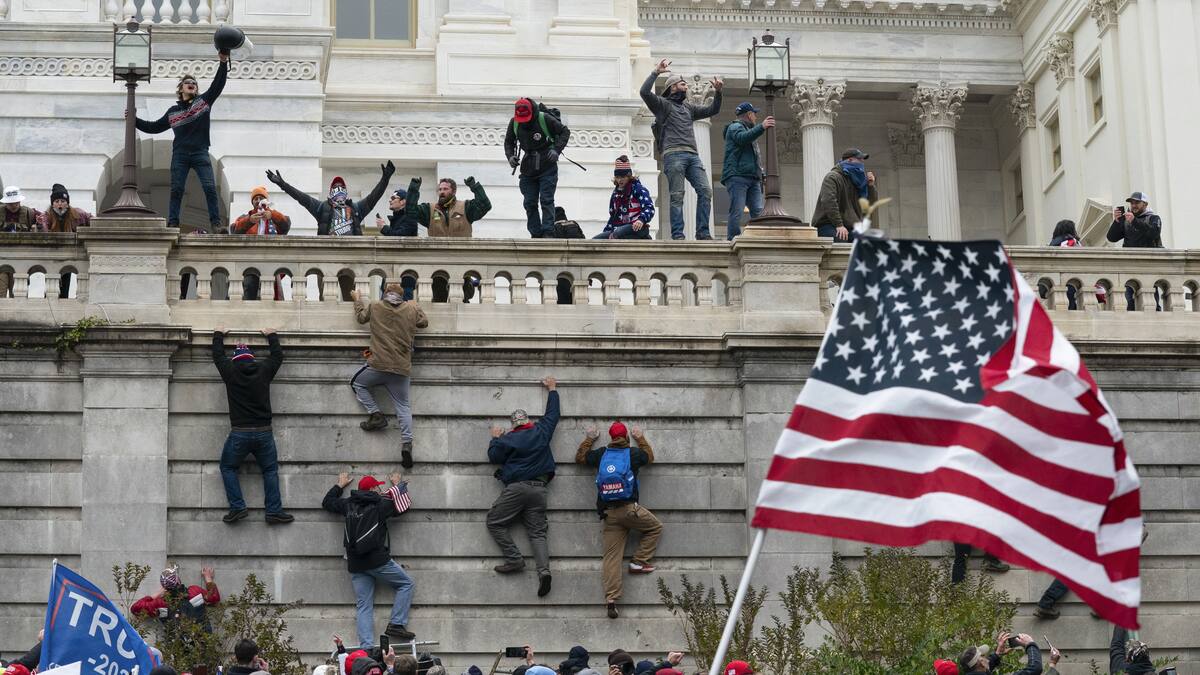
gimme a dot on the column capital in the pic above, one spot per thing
(1060, 56)
(938, 104)
(1104, 12)
(700, 90)
(1021, 105)
(816, 100)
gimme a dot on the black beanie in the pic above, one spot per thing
(59, 191)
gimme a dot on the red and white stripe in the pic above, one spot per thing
(399, 496)
(1035, 473)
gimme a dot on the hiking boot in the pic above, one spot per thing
(406, 459)
(641, 568)
(612, 610)
(704, 237)
(510, 567)
(234, 516)
(543, 585)
(280, 518)
(678, 238)
(994, 565)
(1048, 613)
(374, 422)
(400, 632)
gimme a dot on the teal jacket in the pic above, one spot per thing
(741, 154)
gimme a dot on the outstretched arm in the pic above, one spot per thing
(416, 210)
(156, 127)
(363, 208)
(478, 206)
(218, 83)
(310, 204)
(653, 101)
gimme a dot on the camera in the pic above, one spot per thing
(514, 652)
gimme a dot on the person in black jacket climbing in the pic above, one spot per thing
(542, 137)
(338, 215)
(248, 390)
(368, 550)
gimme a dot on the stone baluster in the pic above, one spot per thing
(169, 12)
(1174, 301)
(937, 106)
(299, 287)
(203, 11)
(487, 291)
(128, 10)
(550, 291)
(20, 287)
(266, 287)
(675, 293)
(704, 294)
(220, 11)
(188, 13)
(204, 285)
(580, 291)
(641, 290)
(1058, 297)
(111, 9)
(612, 291)
(331, 290)
(81, 287)
(425, 288)
(235, 283)
(815, 103)
(1147, 295)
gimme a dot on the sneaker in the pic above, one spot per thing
(612, 610)
(234, 516)
(543, 585)
(640, 568)
(994, 565)
(679, 237)
(1048, 613)
(704, 237)
(406, 459)
(374, 422)
(280, 518)
(397, 631)
(510, 567)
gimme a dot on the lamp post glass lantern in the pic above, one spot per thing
(131, 62)
(769, 67)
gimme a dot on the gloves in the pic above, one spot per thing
(274, 177)
(470, 181)
(388, 169)
(414, 183)
(552, 155)
(513, 162)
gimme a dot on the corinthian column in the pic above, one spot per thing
(937, 106)
(815, 103)
(701, 93)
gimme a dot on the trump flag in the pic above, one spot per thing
(84, 627)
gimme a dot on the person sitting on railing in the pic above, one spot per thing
(451, 216)
(630, 207)
(62, 217)
(400, 223)
(338, 215)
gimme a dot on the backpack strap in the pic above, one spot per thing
(545, 129)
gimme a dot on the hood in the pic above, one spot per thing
(247, 366)
(363, 665)
(365, 496)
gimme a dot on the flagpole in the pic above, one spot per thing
(735, 610)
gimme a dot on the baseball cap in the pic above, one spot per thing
(618, 430)
(1139, 196)
(745, 107)
(738, 668)
(369, 483)
(944, 667)
(856, 153)
(523, 110)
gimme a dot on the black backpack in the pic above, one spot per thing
(567, 229)
(542, 111)
(365, 533)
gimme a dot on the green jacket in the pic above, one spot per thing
(741, 152)
(837, 203)
(475, 208)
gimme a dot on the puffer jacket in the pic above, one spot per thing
(741, 151)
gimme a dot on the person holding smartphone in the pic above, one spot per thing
(982, 659)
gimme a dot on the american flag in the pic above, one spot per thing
(399, 496)
(944, 405)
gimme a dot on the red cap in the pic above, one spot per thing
(738, 668)
(369, 483)
(944, 667)
(352, 656)
(523, 111)
(337, 180)
(618, 430)
(16, 669)
(669, 671)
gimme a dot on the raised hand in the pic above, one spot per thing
(663, 66)
(275, 177)
(395, 477)
(592, 432)
(388, 169)
(636, 431)
(207, 573)
(343, 479)
(717, 83)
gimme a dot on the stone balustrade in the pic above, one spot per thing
(159, 12)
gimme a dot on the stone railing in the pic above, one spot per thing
(159, 12)
(38, 264)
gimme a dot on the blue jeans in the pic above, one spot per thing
(625, 232)
(261, 444)
(680, 166)
(183, 161)
(392, 574)
(539, 190)
(743, 192)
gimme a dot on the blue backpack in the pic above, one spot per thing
(615, 480)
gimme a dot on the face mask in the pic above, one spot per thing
(677, 96)
(338, 196)
(61, 212)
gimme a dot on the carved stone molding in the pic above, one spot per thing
(815, 101)
(617, 139)
(36, 66)
(642, 148)
(938, 104)
(128, 264)
(907, 144)
(892, 15)
(776, 271)
(1104, 12)
(1021, 105)
(1060, 56)
(700, 90)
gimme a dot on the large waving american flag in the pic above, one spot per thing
(944, 405)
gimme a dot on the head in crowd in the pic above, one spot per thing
(370, 484)
(259, 195)
(425, 662)
(242, 353)
(12, 198)
(169, 579)
(393, 294)
(187, 88)
(577, 660)
(618, 430)
(1138, 202)
(338, 194)
(738, 668)
(519, 418)
(473, 670)
(675, 89)
(621, 659)
(446, 190)
(1064, 228)
(405, 665)
(945, 667)
(747, 113)
(622, 172)
(855, 156)
(539, 670)
(644, 668)
(245, 651)
(398, 200)
(1137, 653)
(16, 669)
(974, 659)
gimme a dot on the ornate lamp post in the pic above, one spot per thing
(131, 62)
(770, 70)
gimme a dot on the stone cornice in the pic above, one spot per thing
(815, 101)
(1060, 56)
(1021, 106)
(878, 16)
(38, 66)
(468, 136)
(938, 104)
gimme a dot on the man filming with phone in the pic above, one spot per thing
(981, 659)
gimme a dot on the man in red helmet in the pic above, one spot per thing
(537, 132)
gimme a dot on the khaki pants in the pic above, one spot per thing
(618, 521)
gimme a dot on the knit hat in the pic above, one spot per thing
(669, 671)
(519, 417)
(618, 430)
(169, 579)
(59, 191)
(622, 167)
(354, 656)
(259, 191)
(369, 483)
(944, 667)
(672, 81)
(242, 352)
(643, 667)
(738, 668)
(523, 110)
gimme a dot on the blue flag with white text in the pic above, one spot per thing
(83, 626)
